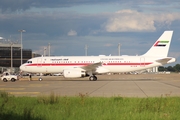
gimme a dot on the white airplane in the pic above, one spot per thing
(81, 66)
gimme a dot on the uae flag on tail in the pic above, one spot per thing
(162, 43)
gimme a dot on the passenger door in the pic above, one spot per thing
(39, 62)
(142, 61)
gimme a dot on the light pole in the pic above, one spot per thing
(21, 31)
(11, 56)
(119, 45)
(44, 51)
(49, 49)
(86, 49)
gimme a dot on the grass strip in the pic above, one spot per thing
(83, 107)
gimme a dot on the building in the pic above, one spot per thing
(11, 53)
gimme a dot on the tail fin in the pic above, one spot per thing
(161, 46)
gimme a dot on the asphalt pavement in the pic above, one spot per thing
(144, 85)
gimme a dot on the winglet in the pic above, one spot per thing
(161, 46)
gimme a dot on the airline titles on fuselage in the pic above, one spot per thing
(66, 59)
(105, 61)
(58, 59)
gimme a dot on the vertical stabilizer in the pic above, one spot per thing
(161, 46)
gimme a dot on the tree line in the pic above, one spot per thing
(175, 68)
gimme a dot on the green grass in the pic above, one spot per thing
(82, 107)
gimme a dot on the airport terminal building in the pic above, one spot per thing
(11, 54)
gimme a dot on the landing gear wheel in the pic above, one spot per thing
(95, 78)
(92, 78)
(40, 79)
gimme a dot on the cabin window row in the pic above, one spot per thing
(91, 62)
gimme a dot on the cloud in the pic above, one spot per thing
(1, 38)
(72, 33)
(21, 5)
(132, 20)
(14, 5)
(129, 20)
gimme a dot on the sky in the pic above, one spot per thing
(69, 25)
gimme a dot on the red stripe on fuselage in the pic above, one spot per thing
(85, 64)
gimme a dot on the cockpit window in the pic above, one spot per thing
(29, 61)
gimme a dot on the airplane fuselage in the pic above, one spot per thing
(112, 64)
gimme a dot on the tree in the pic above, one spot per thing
(177, 68)
(170, 68)
(161, 69)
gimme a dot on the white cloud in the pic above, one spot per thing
(131, 20)
(1, 38)
(72, 33)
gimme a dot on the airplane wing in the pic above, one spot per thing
(164, 60)
(92, 67)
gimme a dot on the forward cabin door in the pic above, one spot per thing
(39, 62)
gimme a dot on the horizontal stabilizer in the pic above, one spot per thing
(166, 60)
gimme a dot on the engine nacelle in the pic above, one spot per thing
(70, 73)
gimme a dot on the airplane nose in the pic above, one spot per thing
(22, 67)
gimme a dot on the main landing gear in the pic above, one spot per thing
(93, 78)
(40, 79)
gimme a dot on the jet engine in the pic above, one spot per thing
(70, 73)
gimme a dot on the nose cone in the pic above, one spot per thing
(22, 67)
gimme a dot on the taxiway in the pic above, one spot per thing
(144, 85)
